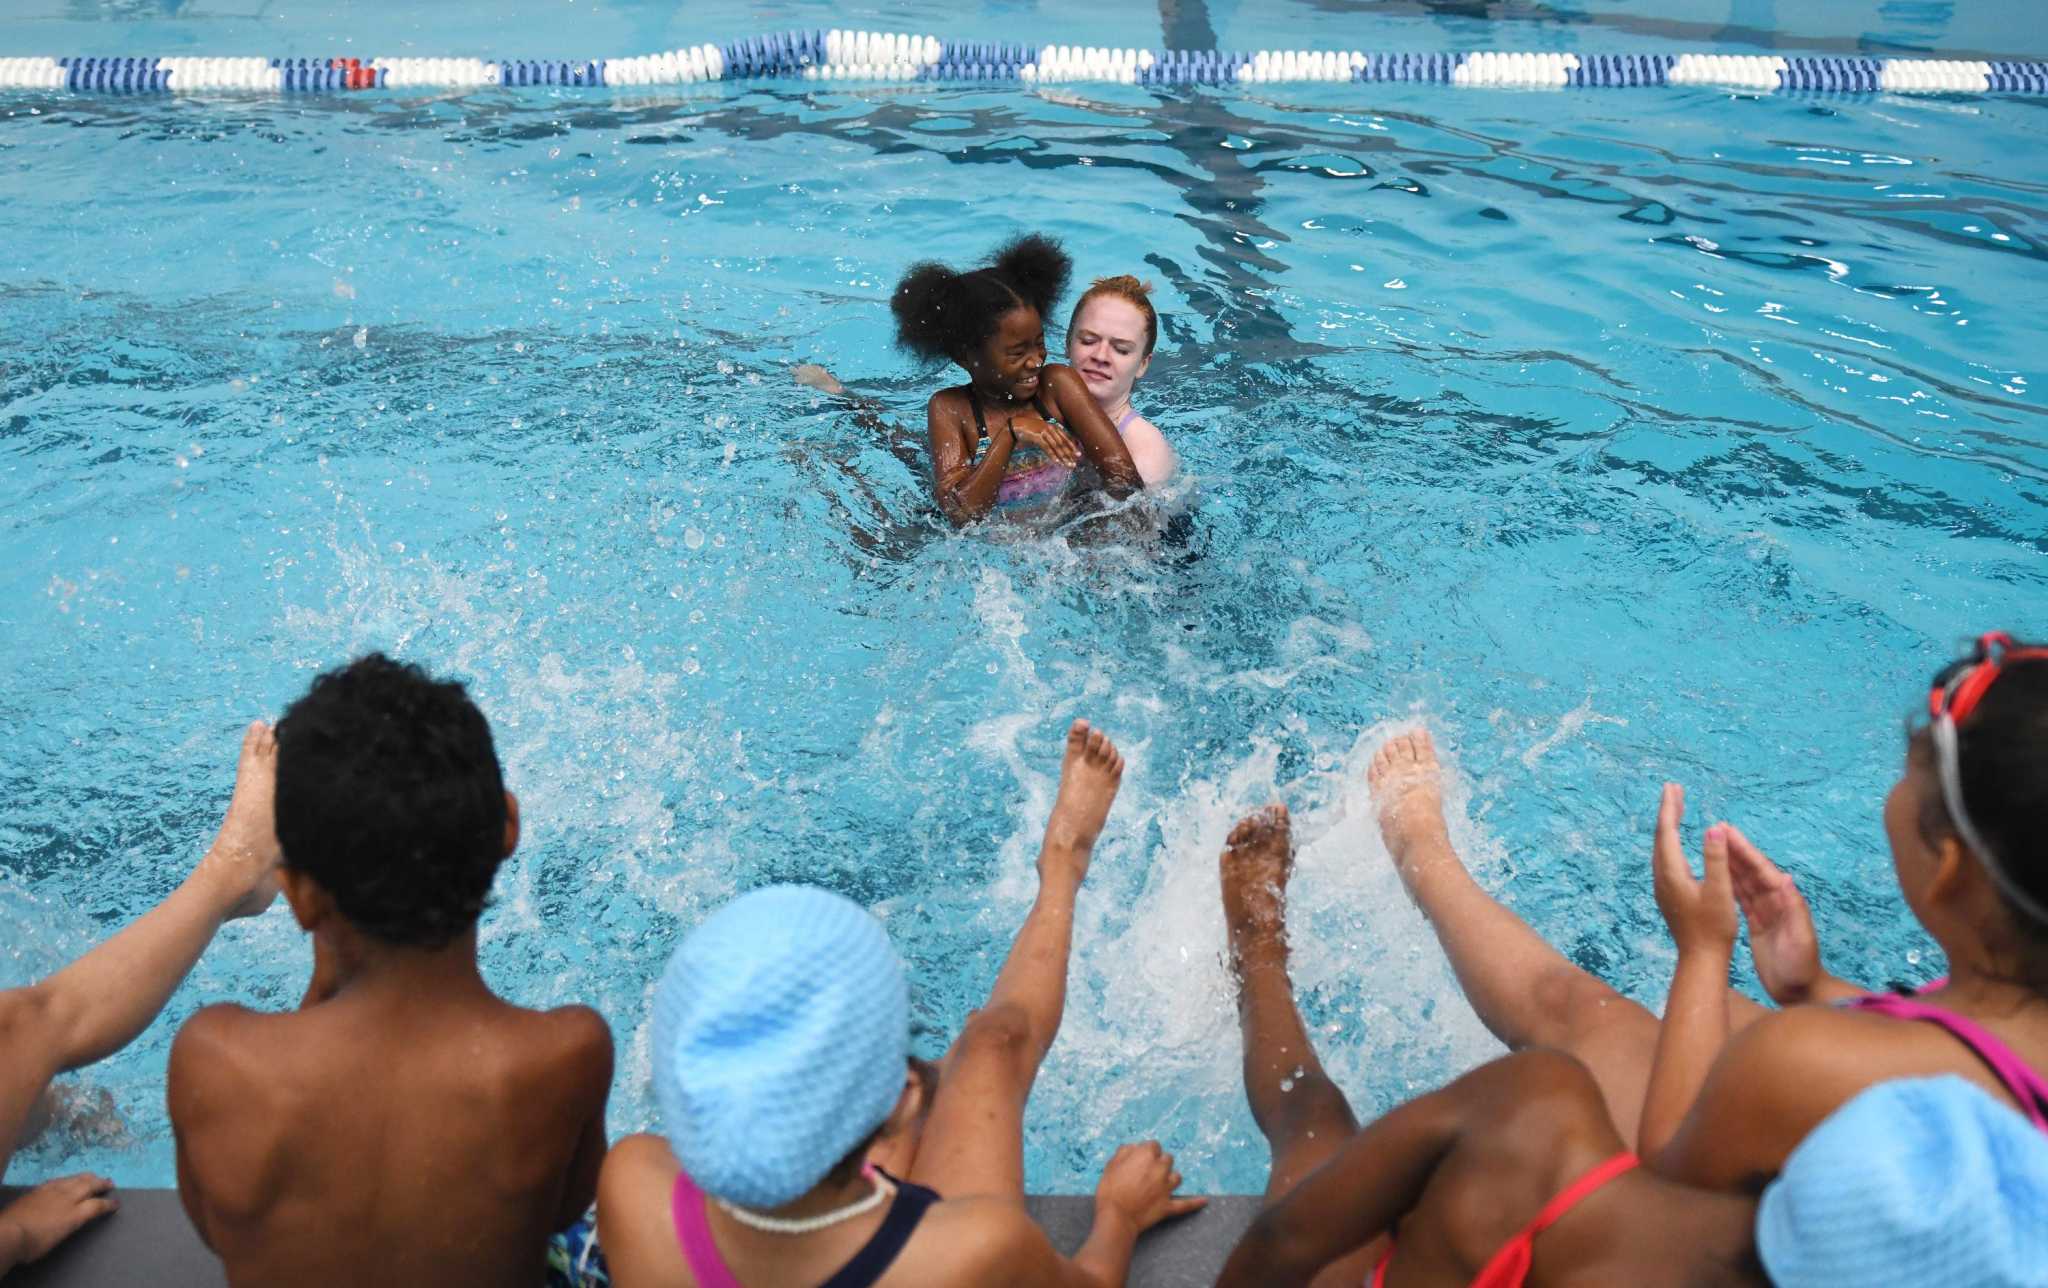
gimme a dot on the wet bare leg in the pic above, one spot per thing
(1302, 1113)
(1524, 990)
(1304, 1116)
(973, 1143)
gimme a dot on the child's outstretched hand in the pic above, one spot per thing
(1781, 938)
(1699, 910)
(51, 1213)
(1138, 1186)
(244, 857)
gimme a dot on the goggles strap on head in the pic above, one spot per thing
(1959, 689)
(1949, 764)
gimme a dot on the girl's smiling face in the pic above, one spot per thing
(1107, 346)
(1012, 360)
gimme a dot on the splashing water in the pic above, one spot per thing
(1694, 434)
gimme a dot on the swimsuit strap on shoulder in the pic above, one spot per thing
(980, 421)
(2029, 1088)
(879, 1253)
(1130, 414)
(693, 1232)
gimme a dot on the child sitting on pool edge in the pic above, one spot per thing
(991, 322)
(781, 1064)
(1514, 1175)
(405, 1125)
(1721, 1090)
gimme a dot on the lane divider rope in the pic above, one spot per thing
(902, 57)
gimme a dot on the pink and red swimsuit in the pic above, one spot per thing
(1510, 1266)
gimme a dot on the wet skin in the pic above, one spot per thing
(1010, 377)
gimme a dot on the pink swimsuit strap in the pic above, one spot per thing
(693, 1232)
(2027, 1087)
(1130, 414)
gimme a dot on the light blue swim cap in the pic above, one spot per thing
(1922, 1183)
(781, 1039)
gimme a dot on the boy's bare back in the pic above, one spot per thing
(405, 1125)
(389, 1137)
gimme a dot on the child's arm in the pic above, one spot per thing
(1702, 917)
(1367, 1186)
(1773, 1083)
(1135, 1194)
(1099, 440)
(207, 1100)
(965, 489)
(590, 1058)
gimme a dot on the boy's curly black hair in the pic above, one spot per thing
(944, 314)
(390, 797)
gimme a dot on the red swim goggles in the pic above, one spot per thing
(1957, 691)
(1964, 682)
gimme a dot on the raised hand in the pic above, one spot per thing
(1781, 938)
(1699, 910)
(1138, 1187)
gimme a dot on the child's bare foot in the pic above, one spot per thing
(1089, 778)
(245, 855)
(810, 373)
(1257, 861)
(1407, 787)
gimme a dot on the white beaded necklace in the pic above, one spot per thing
(883, 1192)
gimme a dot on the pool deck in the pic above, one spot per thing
(149, 1242)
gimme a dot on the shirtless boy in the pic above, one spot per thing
(405, 1125)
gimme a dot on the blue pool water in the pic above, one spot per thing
(1616, 436)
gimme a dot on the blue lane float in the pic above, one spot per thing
(902, 57)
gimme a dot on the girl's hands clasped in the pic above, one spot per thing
(1056, 443)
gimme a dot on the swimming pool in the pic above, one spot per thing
(1617, 436)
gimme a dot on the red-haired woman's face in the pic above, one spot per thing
(1107, 346)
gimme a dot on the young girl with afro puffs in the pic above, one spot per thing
(1013, 438)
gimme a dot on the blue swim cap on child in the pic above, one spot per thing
(1923, 1183)
(781, 1039)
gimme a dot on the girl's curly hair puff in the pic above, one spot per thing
(944, 314)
